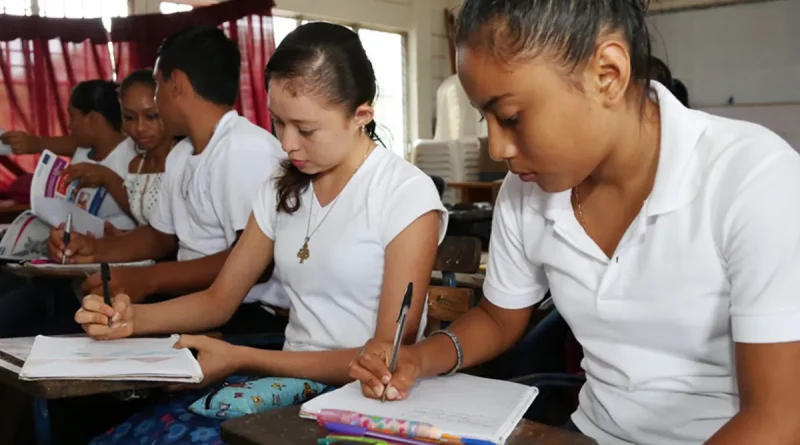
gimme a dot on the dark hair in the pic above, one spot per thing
(661, 73)
(99, 96)
(518, 29)
(138, 77)
(323, 58)
(209, 59)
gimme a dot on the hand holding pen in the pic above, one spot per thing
(372, 366)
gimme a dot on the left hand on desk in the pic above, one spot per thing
(130, 281)
(217, 358)
(88, 174)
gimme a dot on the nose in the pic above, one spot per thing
(290, 140)
(501, 145)
(139, 125)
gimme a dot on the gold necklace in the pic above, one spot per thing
(579, 207)
(304, 253)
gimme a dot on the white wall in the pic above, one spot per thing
(750, 52)
(422, 20)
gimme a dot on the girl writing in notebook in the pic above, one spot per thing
(348, 224)
(669, 238)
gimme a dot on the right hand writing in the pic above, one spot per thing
(21, 143)
(81, 249)
(94, 314)
(371, 368)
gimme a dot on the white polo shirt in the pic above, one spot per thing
(207, 198)
(713, 258)
(335, 293)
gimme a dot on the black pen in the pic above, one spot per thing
(398, 335)
(105, 275)
(67, 231)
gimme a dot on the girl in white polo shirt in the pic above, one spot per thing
(669, 238)
(349, 225)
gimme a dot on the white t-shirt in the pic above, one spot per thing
(711, 259)
(335, 293)
(207, 198)
(118, 161)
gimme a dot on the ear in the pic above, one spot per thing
(364, 114)
(179, 84)
(610, 70)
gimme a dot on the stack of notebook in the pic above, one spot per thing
(135, 359)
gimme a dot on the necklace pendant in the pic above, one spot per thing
(303, 253)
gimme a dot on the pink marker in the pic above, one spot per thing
(380, 424)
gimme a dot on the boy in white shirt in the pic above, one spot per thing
(210, 180)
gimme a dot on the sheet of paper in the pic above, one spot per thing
(81, 358)
(462, 405)
(54, 212)
(86, 268)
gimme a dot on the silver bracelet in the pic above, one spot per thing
(459, 351)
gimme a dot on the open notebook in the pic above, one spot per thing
(138, 359)
(460, 405)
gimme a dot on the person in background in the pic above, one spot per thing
(349, 225)
(142, 123)
(660, 72)
(210, 181)
(668, 237)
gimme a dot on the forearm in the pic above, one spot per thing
(481, 339)
(60, 145)
(329, 367)
(182, 277)
(141, 243)
(197, 312)
(749, 427)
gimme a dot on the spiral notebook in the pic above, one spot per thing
(461, 405)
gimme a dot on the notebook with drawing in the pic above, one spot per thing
(460, 405)
(130, 359)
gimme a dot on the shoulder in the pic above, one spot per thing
(243, 140)
(177, 157)
(392, 173)
(734, 153)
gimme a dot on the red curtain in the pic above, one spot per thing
(41, 60)
(247, 22)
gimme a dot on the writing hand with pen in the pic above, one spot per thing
(81, 249)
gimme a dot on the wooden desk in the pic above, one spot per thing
(477, 191)
(285, 427)
(10, 210)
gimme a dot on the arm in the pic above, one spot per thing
(214, 306)
(760, 243)
(116, 188)
(409, 258)
(141, 243)
(24, 143)
(768, 396)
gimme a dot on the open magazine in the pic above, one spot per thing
(53, 198)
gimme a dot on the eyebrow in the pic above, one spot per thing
(491, 103)
(295, 121)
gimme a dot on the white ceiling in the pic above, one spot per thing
(661, 6)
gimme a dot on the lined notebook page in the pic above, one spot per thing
(461, 405)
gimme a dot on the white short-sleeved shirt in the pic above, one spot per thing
(207, 198)
(335, 293)
(118, 161)
(713, 258)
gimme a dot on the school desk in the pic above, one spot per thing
(285, 427)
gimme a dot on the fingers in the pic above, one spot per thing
(402, 381)
(375, 363)
(190, 341)
(93, 282)
(371, 385)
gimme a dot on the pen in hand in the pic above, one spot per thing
(398, 336)
(67, 231)
(105, 275)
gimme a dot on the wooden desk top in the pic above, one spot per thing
(285, 427)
